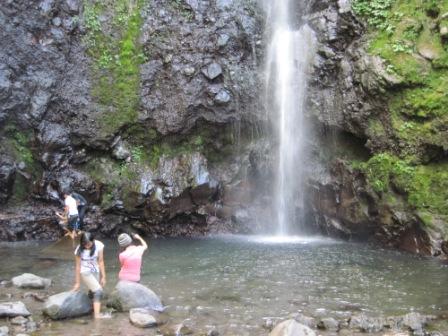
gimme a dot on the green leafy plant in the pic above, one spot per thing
(376, 12)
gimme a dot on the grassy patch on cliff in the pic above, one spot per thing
(407, 35)
(112, 43)
(426, 186)
(18, 144)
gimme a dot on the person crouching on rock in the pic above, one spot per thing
(89, 267)
(131, 257)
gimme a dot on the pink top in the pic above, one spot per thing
(131, 262)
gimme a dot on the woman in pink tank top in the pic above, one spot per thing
(131, 257)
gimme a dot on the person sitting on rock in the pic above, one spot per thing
(89, 267)
(81, 203)
(131, 257)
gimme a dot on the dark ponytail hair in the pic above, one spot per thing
(86, 237)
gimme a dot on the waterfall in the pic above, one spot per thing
(289, 55)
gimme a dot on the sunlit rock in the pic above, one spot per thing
(128, 295)
(28, 280)
(12, 309)
(291, 328)
(142, 318)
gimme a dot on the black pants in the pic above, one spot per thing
(81, 213)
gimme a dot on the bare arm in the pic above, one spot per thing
(102, 268)
(66, 210)
(140, 239)
(77, 273)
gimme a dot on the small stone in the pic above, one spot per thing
(142, 318)
(328, 324)
(4, 331)
(222, 97)
(344, 6)
(188, 71)
(35, 296)
(120, 151)
(72, 6)
(167, 59)
(291, 328)
(56, 21)
(19, 320)
(31, 326)
(444, 31)
(222, 40)
(213, 332)
(5, 283)
(305, 320)
(212, 71)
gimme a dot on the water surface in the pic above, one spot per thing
(234, 283)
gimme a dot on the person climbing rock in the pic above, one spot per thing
(89, 267)
(131, 257)
(81, 203)
(70, 214)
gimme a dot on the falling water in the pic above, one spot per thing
(290, 52)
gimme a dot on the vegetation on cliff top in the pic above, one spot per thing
(411, 36)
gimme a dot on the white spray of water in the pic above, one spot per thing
(289, 55)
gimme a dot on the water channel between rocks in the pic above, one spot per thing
(233, 283)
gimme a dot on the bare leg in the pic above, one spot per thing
(96, 309)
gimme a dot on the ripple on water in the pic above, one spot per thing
(233, 282)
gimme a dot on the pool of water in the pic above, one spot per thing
(233, 283)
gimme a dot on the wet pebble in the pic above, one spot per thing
(35, 296)
(19, 320)
(4, 331)
(328, 323)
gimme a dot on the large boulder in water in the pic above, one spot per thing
(12, 309)
(128, 295)
(28, 280)
(67, 304)
(291, 328)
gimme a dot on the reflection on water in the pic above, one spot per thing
(233, 282)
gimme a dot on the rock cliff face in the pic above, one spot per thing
(151, 110)
(379, 139)
(144, 107)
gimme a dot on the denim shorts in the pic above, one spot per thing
(73, 222)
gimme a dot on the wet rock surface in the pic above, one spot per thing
(192, 87)
(67, 305)
(128, 295)
(12, 309)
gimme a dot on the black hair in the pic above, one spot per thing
(86, 237)
(66, 191)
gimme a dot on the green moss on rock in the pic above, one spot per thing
(406, 34)
(425, 186)
(117, 55)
